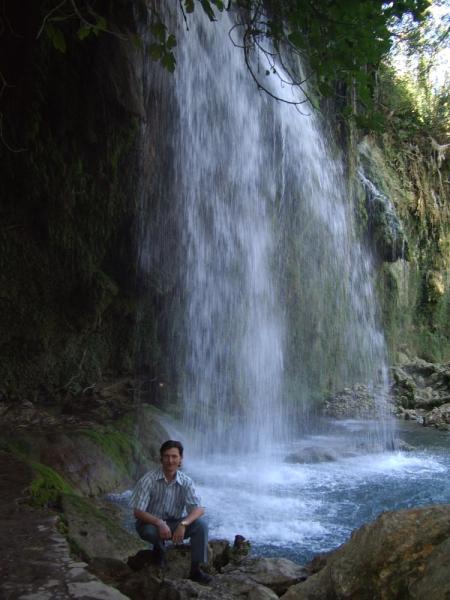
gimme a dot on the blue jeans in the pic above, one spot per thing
(197, 531)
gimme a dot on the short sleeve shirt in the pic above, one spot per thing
(165, 500)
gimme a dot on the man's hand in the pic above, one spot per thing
(164, 531)
(178, 534)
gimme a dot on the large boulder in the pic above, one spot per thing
(251, 578)
(421, 391)
(278, 574)
(94, 529)
(403, 555)
(311, 454)
(439, 417)
(356, 402)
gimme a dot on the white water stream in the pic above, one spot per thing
(299, 510)
(276, 299)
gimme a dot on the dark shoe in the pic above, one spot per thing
(200, 576)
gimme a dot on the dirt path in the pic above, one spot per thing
(35, 561)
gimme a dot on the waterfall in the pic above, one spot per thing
(272, 301)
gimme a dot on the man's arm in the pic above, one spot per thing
(178, 534)
(145, 517)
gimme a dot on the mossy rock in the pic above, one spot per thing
(47, 487)
(94, 529)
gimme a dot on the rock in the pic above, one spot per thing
(219, 553)
(397, 556)
(178, 558)
(110, 570)
(256, 578)
(36, 559)
(357, 402)
(94, 532)
(419, 386)
(438, 417)
(260, 592)
(404, 446)
(143, 558)
(275, 573)
(311, 454)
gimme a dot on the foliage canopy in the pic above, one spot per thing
(343, 40)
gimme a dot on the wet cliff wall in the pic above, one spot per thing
(407, 221)
(71, 113)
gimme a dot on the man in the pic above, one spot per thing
(166, 507)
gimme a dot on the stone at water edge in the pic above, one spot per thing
(438, 417)
(310, 455)
(396, 557)
(278, 574)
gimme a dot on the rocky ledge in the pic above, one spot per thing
(418, 390)
(401, 555)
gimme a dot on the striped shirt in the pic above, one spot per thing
(165, 500)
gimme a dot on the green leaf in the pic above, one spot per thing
(57, 38)
(297, 39)
(171, 42)
(156, 51)
(189, 6)
(101, 24)
(168, 61)
(325, 89)
(137, 41)
(84, 32)
(158, 29)
(206, 5)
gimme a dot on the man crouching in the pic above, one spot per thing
(167, 506)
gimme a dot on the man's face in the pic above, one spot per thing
(171, 460)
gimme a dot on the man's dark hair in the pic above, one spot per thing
(171, 444)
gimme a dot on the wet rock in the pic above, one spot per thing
(219, 553)
(438, 417)
(256, 578)
(110, 570)
(278, 574)
(357, 402)
(404, 446)
(311, 454)
(420, 389)
(143, 558)
(396, 556)
(94, 532)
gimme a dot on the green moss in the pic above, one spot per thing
(47, 487)
(116, 445)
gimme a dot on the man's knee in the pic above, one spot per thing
(147, 532)
(199, 527)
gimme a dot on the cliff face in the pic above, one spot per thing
(77, 134)
(70, 124)
(408, 223)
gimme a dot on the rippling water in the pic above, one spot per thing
(299, 510)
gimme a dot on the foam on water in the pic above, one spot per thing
(297, 510)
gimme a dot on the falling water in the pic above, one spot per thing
(273, 301)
